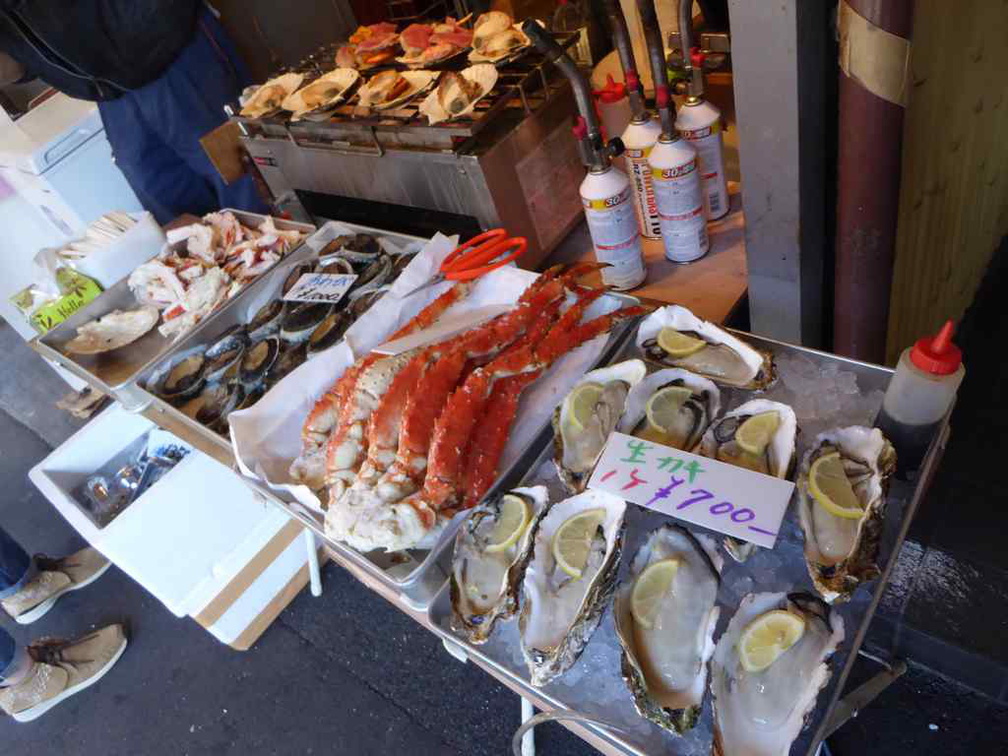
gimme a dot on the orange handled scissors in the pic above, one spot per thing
(481, 254)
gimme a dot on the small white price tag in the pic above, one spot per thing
(320, 287)
(731, 500)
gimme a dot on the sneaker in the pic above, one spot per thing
(55, 577)
(61, 669)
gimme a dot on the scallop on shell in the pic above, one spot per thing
(457, 93)
(577, 448)
(269, 97)
(484, 583)
(726, 359)
(841, 552)
(559, 613)
(694, 415)
(326, 91)
(665, 665)
(761, 713)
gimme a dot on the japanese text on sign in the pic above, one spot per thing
(715, 495)
(320, 287)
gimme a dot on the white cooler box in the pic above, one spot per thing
(198, 539)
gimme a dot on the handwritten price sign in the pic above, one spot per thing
(715, 495)
(320, 287)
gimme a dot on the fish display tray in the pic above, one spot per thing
(417, 575)
(265, 288)
(593, 685)
(116, 372)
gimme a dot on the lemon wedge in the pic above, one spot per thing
(511, 524)
(678, 344)
(572, 540)
(755, 433)
(582, 403)
(767, 637)
(830, 487)
(663, 407)
(649, 590)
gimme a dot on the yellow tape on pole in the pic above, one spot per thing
(877, 59)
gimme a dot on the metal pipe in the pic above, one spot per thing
(686, 41)
(548, 46)
(621, 36)
(656, 52)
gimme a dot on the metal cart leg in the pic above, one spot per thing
(848, 707)
(528, 739)
(314, 574)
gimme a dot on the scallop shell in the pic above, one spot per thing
(637, 400)
(555, 628)
(498, 574)
(339, 81)
(476, 56)
(181, 378)
(483, 74)
(418, 82)
(576, 451)
(112, 331)
(755, 370)
(870, 460)
(267, 99)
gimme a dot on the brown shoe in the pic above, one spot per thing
(55, 577)
(61, 669)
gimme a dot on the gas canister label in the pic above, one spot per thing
(647, 207)
(612, 223)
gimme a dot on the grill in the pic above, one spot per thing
(510, 162)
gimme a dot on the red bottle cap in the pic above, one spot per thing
(612, 92)
(697, 58)
(580, 128)
(937, 354)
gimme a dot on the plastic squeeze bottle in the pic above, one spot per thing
(920, 393)
(613, 107)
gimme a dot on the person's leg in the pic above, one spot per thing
(15, 662)
(188, 101)
(15, 566)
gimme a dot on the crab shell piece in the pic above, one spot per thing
(705, 393)
(558, 613)
(577, 450)
(484, 585)
(761, 713)
(684, 643)
(841, 553)
(727, 360)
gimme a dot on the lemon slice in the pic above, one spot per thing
(649, 589)
(678, 344)
(514, 518)
(830, 487)
(663, 407)
(572, 540)
(767, 637)
(582, 403)
(755, 433)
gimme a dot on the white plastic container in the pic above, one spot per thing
(639, 139)
(114, 262)
(676, 179)
(699, 123)
(607, 197)
(919, 395)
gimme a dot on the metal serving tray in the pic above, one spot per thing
(116, 372)
(779, 569)
(417, 575)
(266, 287)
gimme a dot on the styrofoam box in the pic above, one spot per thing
(117, 260)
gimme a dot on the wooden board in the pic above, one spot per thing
(712, 287)
(953, 207)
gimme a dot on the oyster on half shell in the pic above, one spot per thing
(578, 440)
(559, 612)
(723, 358)
(841, 551)
(690, 418)
(486, 574)
(665, 650)
(760, 713)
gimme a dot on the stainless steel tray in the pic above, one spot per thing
(593, 686)
(417, 575)
(265, 287)
(116, 372)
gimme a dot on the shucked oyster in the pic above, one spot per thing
(682, 405)
(665, 615)
(675, 337)
(569, 580)
(768, 669)
(492, 549)
(841, 505)
(586, 417)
